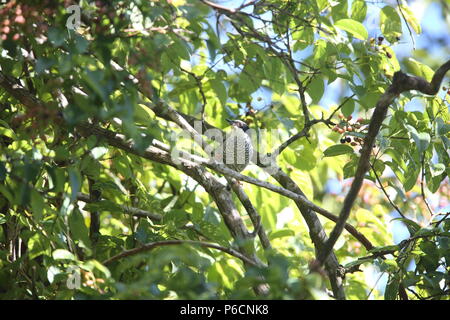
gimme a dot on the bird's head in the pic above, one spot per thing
(238, 124)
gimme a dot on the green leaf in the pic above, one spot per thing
(37, 246)
(316, 89)
(442, 128)
(179, 48)
(56, 36)
(353, 27)
(422, 139)
(91, 265)
(339, 9)
(37, 205)
(303, 180)
(349, 169)
(75, 183)
(304, 37)
(104, 205)
(357, 262)
(337, 150)
(98, 152)
(220, 90)
(179, 217)
(62, 254)
(81, 43)
(410, 18)
(281, 234)
(426, 232)
(384, 248)
(359, 10)
(320, 48)
(390, 23)
(411, 178)
(430, 260)
(419, 69)
(348, 107)
(437, 169)
(94, 81)
(78, 228)
(43, 64)
(7, 132)
(411, 225)
(391, 290)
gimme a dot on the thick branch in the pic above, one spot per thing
(401, 83)
(252, 212)
(318, 236)
(115, 140)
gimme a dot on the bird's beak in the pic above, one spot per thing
(230, 121)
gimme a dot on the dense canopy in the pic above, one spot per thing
(109, 111)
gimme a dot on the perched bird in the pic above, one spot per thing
(236, 150)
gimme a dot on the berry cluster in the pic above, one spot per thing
(377, 45)
(346, 126)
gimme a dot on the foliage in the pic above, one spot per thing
(65, 196)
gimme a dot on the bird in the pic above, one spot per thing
(236, 150)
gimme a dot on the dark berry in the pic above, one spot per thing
(380, 39)
(348, 139)
(343, 140)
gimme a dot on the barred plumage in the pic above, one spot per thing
(237, 146)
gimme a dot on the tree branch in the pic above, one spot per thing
(213, 187)
(252, 212)
(130, 210)
(298, 135)
(153, 245)
(94, 227)
(401, 83)
(385, 192)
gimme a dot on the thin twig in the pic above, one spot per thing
(252, 212)
(422, 190)
(407, 24)
(128, 209)
(340, 106)
(386, 194)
